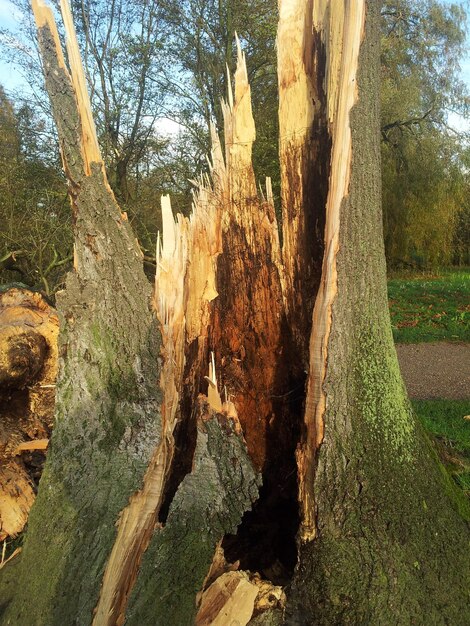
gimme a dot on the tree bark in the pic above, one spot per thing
(390, 529)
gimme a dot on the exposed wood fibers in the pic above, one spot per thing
(247, 284)
(235, 597)
(246, 333)
(304, 154)
(183, 291)
(343, 47)
(34, 444)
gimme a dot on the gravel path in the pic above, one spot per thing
(436, 370)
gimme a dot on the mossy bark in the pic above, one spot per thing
(392, 545)
(209, 503)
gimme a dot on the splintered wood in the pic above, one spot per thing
(304, 155)
(230, 306)
(231, 596)
(341, 25)
(235, 597)
(189, 278)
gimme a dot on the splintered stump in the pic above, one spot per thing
(151, 510)
(28, 368)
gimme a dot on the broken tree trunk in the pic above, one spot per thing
(120, 366)
(383, 534)
(143, 513)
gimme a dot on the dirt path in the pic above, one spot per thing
(436, 370)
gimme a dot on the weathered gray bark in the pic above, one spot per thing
(392, 541)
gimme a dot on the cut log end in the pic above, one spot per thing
(22, 356)
(16, 499)
(28, 369)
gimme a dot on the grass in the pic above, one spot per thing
(446, 423)
(430, 308)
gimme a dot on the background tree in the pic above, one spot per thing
(173, 69)
(35, 240)
(423, 43)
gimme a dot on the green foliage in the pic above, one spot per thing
(35, 238)
(445, 421)
(430, 308)
(425, 181)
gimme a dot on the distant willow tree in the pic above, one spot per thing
(423, 151)
(248, 364)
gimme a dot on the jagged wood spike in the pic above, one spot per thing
(343, 50)
(304, 155)
(90, 141)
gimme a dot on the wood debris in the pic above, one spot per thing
(28, 369)
(237, 597)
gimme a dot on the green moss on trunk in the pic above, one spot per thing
(392, 546)
(209, 503)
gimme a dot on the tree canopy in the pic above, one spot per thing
(154, 65)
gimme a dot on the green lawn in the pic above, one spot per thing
(445, 422)
(431, 308)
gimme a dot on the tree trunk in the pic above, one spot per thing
(143, 512)
(384, 538)
(110, 461)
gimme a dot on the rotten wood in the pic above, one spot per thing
(127, 430)
(246, 335)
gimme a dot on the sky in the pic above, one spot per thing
(9, 17)
(10, 78)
